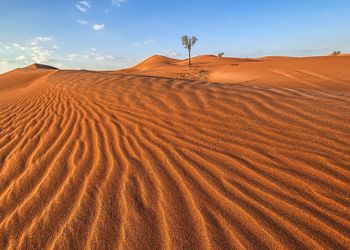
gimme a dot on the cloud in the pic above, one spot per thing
(109, 57)
(171, 53)
(82, 9)
(21, 58)
(149, 41)
(40, 39)
(17, 46)
(40, 54)
(100, 58)
(82, 22)
(83, 6)
(98, 26)
(79, 56)
(92, 54)
(43, 39)
(18, 54)
(85, 3)
(146, 42)
(118, 2)
(37, 49)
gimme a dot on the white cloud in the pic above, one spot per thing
(72, 56)
(40, 39)
(146, 42)
(39, 50)
(43, 39)
(21, 58)
(98, 26)
(118, 2)
(82, 22)
(46, 51)
(82, 9)
(100, 58)
(171, 53)
(17, 46)
(85, 3)
(83, 6)
(40, 54)
(78, 56)
(92, 54)
(109, 57)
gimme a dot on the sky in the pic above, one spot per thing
(114, 34)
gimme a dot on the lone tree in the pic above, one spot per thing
(188, 42)
(336, 53)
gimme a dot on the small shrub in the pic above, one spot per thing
(221, 54)
(336, 53)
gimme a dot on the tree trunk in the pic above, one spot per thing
(189, 57)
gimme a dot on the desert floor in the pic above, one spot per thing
(229, 153)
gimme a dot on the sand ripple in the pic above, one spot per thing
(101, 161)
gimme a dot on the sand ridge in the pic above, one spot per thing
(321, 72)
(121, 160)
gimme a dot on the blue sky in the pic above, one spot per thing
(112, 34)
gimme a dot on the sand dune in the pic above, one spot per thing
(39, 66)
(309, 72)
(126, 160)
(22, 79)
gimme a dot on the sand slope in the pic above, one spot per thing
(325, 72)
(22, 79)
(98, 160)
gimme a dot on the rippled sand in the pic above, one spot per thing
(132, 160)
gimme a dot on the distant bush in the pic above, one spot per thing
(221, 54)
(336, 53)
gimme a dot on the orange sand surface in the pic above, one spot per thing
(227, 154)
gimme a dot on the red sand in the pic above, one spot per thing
(146, 158)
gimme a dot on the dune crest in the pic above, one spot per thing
(116, 160)
(155, 61)
(39, 66)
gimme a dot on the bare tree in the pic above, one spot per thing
(336, 53)
(188, 42)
